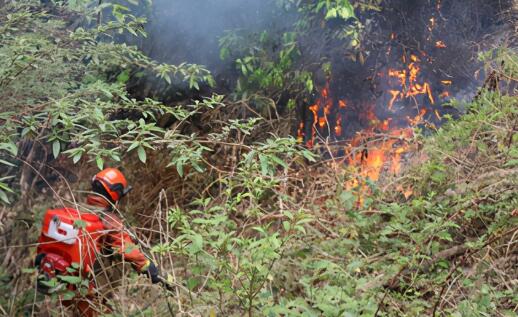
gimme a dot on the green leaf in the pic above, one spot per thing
(309, 155)
(288, 214)
(77, 157)
(107, 93)
(347, 199)
(167, 78)
(70, 279)
(81, 224)
(52, 283)
(192, 283)
(133, 146)
(300, 229)
(141, 154)
(69, 295)
(346, 12)
(309, 85)
(123, 77)
(224, 52)
(261, 230)
(6, 163)
(331, 13)
(179, 168)
(3, 197)
(249, 156)
(197, 167)
(445, 235)
(278, 161)
(264, 164)
(56, 146)
(197, 243)
(511, 163)
(100, 162)
(10, 147)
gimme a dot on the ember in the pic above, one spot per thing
(440, 44)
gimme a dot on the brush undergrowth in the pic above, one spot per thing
(241, 222)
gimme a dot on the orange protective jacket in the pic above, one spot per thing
(119, 241)
(117, 237)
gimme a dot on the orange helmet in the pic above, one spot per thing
(110, 183)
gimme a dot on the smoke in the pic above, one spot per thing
(444, 36)
(189, 31)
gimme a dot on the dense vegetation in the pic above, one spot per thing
(242, 218)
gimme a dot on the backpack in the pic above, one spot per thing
(68, 246)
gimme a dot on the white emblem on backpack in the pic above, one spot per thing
(62, 232)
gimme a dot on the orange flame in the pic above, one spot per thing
(440, 44)
(408, 80)
(382, 154)
(381, 146)
(300, 133)
(395, 95)
(322, 122)
(444, 95)
(338, 126)
(417, 119)
(431, 25)
(437, 114)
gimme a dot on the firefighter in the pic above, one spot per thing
(114, 248)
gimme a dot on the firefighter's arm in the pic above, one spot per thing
(120, 241)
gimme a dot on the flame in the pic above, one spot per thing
(417, 119)
(384, 153)
(321, 111)
(440, 44)
(381, 146)
(300, 132)
(325, 92)
(437, 114)
(395, 95)
(408, 82)
(322, 122)
(444, 95)
(431, 24)
(314, 110)
(385, 125)
(407, 192)
(338, 126)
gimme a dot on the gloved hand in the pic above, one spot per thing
(152, 272)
